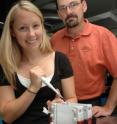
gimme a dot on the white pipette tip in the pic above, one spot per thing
(50, 86)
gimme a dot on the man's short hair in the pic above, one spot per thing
(57, 4)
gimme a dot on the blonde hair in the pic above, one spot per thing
(10, 52)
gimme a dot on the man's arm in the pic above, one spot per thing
(111, 103)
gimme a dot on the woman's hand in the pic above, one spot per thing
(35, 75)
(56, 100)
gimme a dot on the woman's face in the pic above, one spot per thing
(27, 29)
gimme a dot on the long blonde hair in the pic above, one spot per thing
(10, 53)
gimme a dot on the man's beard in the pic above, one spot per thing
(71, 21)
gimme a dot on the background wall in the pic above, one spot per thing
(101, 12)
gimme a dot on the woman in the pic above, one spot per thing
(25, 57)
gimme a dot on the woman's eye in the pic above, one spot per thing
(23, 28)
(36, 26)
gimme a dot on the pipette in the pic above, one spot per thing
(51, 87)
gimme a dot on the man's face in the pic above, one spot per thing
(71, 11)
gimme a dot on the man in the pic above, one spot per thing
(91, 50)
